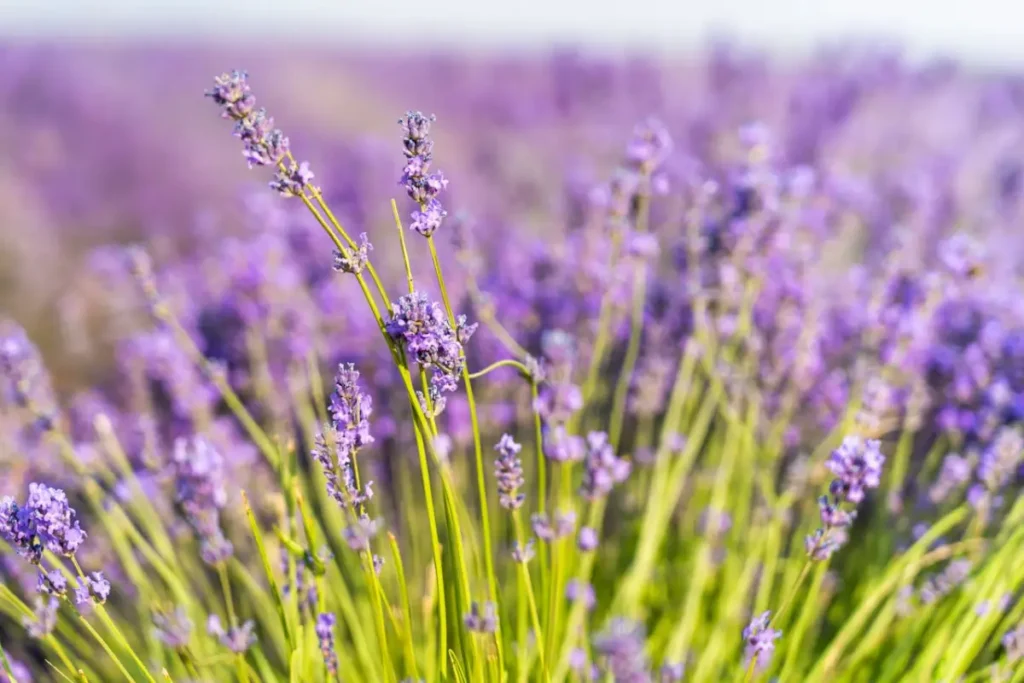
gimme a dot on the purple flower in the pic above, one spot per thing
(482, 619)
(523, 553)
(23, 377)
(52, 583)
(231, 92)
(671, 672)
(760, 639)
(359, 533)
(92, 588)
(263, 144)
(45, 522)
(420, 183)
(579, 591)
(955, 472)
(355, 260)
(1013, 643)
(292, 180)
(427, 336)
(325, 634)
(621, 647)
(508, 469)
(173, 629)
(199, 476)
(564, 524)
(858, 465)
(1000, 459)
(603, 469)
(336, 450)
(238, 639)
(650, 147)
(45, 617)
(587, 539)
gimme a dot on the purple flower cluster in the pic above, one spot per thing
(199, 479)
(428, 337)
(549, 530)
(45, 522)
(325, 634)
(603, 470)
(482, 618)
(263, 144)
(508, 469)
(419, 181)
(238, 639)
(173, 628)
(760, 640)
(337, 448)
(620, 649)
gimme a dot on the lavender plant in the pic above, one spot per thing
(715, 454)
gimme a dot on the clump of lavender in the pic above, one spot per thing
(199, 478)
(263, 144)
(325, 634)
(238, 639)
(173, 628)
(427, 336)
(857, 464)
(419, 181)
(508, 470)
(760, 640)
(349, 431)
(482, 618)
(603, 469)
(45, 522)
(23, 377)
(620, 651)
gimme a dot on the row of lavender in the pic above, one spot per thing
(663, 373)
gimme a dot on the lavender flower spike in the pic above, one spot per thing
(325, 634)
(482, 619)
(349, 431)
(45, 522)
(604, 470)
(857, 464)
(420, 183)
(760, 638)
(199, 477)
(509, 472)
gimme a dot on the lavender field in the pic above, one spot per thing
(435, 367)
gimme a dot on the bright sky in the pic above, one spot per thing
(987, 30)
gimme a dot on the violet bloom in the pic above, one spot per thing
(420, 183)
(954, 473)
(199, 477)
(603, 469)
(23, 377)
(650, 147)
(44, 619)
(52, 583)
(359, 533)
(173, 629)
(760, 639)
(354, 260)
(1013, 643)
(579, 591)
(671, 672)
(45, 522)
(92, 589)
(336, 450)
(999, 460)
(621, 647)
(238, 639)
(325, 634)
(482, 619)
(521, 554)
(426, 334)
(857, 464)
(508, 470)
(587, 540)
(548, 530)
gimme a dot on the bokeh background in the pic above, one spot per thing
(105, 136)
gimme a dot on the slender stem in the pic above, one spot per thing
(531, 598)
(435, 543)
(405, 249)
(500, 364)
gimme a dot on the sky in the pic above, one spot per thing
(986, 31)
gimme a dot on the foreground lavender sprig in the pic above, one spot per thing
(325, 634)
(508, 469)
(199, 479)
(337, 449)
(45, 522)
(760, 640)
(422, 185)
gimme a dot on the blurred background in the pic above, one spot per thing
(105, 135)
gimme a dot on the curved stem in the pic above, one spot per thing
(500, 364)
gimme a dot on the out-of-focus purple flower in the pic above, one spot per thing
(579, 591)
(44, 619)
(359, 533)
(1013, 643)
(563, 525)
(671, 672)
(954, 473)
(173, 628)
(561, 446)
(650, 147)
(620, 648)
(199, 477)
(238, 639)
(482, 618)
(325, 634)
(858, 465)
(760, 640)
(45, 522)
(603, 469)
(23, 377)
(20, 671)
(508, 470)
(587, 540)
(1000, 459)
(522, 554)
(422, 185)
(356, 259)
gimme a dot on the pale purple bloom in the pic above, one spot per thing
(292, 180)
(578, 591)
(238, 639)
(508, 470)
(355, 260)
(1000, 459)
(760, 639)
(359, 533)
(548, 529)
(173, 628)
(52, 583)
(92, 589)
(199, 478)
(857, 464)
(45, 522)
(603, 469)
(325, 634)
(523, 553)
(349, 431)
(482, 618)
(620, 651)
(45, 617)
(422, 185)
(587, 540)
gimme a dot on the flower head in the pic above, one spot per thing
(174, 628)
(482, 618)
(603, 469)
(760, 639)
(199, 477)
(45, 522)
(325, 634)
(857, 464)
(508, 470)
(238, 639)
